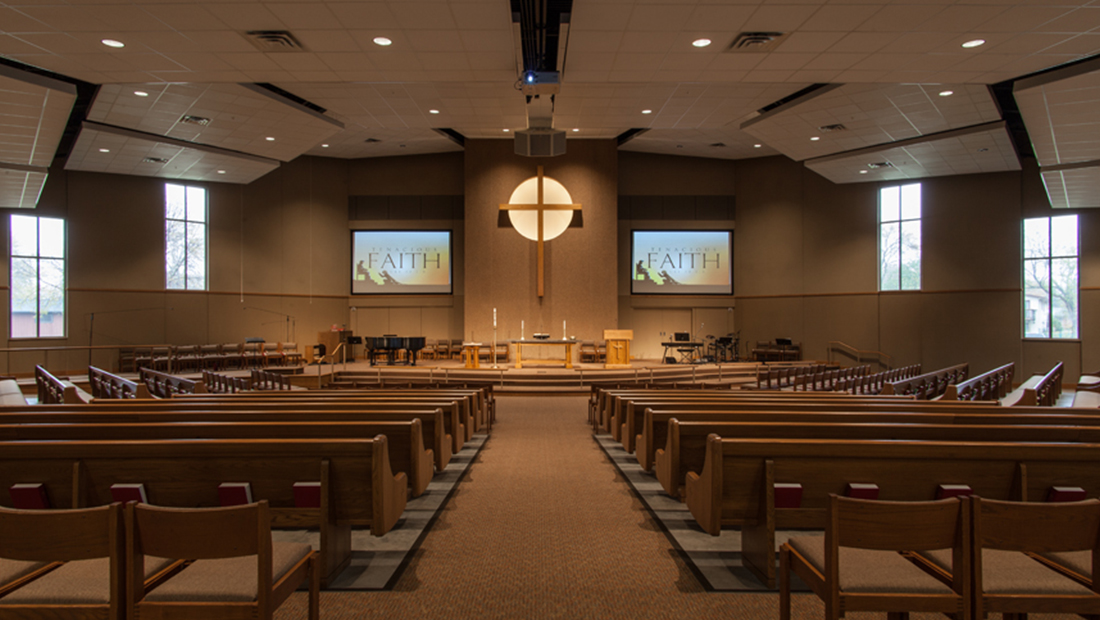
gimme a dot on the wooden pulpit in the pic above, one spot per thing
(618, 347)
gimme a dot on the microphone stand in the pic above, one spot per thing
(288, 318)
(91, 323)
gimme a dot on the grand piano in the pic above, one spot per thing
(396, 349)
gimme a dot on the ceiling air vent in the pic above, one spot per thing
(718, 145)
(273, 41)
(756, 42)
(371, 140)
(828, 128)
(881, 164)
(155, 160)
(191, 119)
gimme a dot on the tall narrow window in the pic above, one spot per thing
(1050, 277)
(185, 237)
(899, 238)
(37, 277)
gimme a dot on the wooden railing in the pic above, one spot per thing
(929, 385)
(53, 391)
(264, 380)
(992, 385)
(884, 361)
(113, 387)
(873, 384)
(164, 385)
(224, 384)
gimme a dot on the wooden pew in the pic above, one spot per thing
(52, 390)
(164, 385)
(1041, 391)
(929, 385)
(992, 385)
(632, 412)
(684, 449)
(357, 485)
(611, 413)
(736, 485)
(107, 386)
(460, 424)
(432, 420)
(406, 448)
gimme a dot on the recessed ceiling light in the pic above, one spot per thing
(701, 42)
(814, 139)
(974, 43)
(269, 139)
(756, 146)
(324, 146)
(383, 41)
(104, 150)
(433, 111)
(141, 93)
(946, 93)
(647, 111)
(863, 172)
(113, 43)
(507, 130)
(221, 172)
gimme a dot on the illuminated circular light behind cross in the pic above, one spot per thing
(554, 222)
(540, 209)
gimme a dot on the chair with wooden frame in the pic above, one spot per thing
(1008, 580)
(858, 564)
(62, 563)
(238, 572)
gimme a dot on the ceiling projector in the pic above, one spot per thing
(540, 83)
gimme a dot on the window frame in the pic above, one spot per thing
(187, 225)
(38, 258)
(1049, 259)
(900, 223)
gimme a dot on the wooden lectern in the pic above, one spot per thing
(618, 347)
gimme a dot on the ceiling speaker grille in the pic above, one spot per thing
(756, 42)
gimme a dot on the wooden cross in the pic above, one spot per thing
(541, 208)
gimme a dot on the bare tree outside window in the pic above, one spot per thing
(1051, 277)
(37, 277)
(185, 210)
(899, 237)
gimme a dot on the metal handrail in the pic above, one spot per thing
(884, 360)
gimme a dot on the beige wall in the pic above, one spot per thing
(654, 318)
(805, 260)
(276, 247)
(432, 316)
(501, 265)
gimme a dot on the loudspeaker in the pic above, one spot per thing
(538, 142)
(670, 360)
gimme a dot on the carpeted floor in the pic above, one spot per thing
(543, 526)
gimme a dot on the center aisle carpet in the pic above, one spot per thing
(544, 526)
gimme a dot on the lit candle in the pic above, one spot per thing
(521, 330)
(563, 331)
(494, 317)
